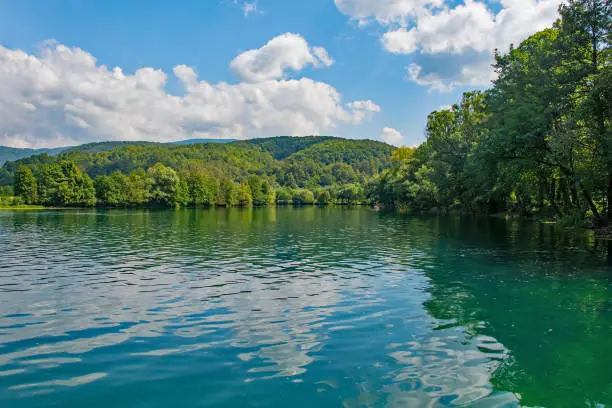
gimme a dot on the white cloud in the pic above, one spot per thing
(287, 52)
(472, 26)
(64, 97)
(421, 27)
(401, 41)
(392, 136)
(443, 72)
(383, 11)
(248, 7)
(362, 109)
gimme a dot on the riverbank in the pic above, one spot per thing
(22, 207)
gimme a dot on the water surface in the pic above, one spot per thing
(301, 308)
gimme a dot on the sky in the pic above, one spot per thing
(80, 71)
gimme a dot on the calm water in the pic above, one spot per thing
(299, 308)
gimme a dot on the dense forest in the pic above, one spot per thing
(538, 141)
(280, 170)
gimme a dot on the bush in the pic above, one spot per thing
(284, 196)
(303, 197)
(324, 198)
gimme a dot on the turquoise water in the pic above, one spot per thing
(299, 308)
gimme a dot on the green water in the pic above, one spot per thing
(299, 308)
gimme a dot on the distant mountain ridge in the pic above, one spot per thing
(13, 153)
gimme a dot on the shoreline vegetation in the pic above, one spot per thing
(275, 171)
(536, 144)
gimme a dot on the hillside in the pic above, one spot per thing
(284, 161)
(12, 153)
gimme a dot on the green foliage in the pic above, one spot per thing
(227, 193)
(25, 185)
(284, 196)
(350, 194)
(6, 191)
(165, 185)
(538, 140)
(64, 184)
(244, 198)
(261, 192)
(303, 197)
(209, 174)
(324, 198)
(202, 189)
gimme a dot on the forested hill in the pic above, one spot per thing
(312, 164)
(12, 154)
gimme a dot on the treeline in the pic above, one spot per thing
(63, 184)
(235, 174)
(538, 141)
(294, 162)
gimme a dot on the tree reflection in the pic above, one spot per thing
(545, 295)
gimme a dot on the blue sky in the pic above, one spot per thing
(367, 40)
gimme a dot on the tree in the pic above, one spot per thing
(324, 198)
(202, 189)
(64, 184)
(303, 197)
(284, 196)
(243, 195)
(165, 185)
(139, 188)
(584, 43)
(113, 190)
(227, 193)
(25, 185)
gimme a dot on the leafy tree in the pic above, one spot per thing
(6, 191)
(324, 198)
(25, 185)
(227, 193)
(538, 141)
(139, 188)
(243, 195)
(284, 196)
(303, 197)
(351, 194)
(202, 189)
(64, 184)
(165, 185)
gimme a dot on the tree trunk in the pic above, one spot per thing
(590, 203)
(609, 198)
(575, 200)
(567, 202)
(541, 193)
(553, 197)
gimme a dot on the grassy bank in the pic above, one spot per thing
(23, 207)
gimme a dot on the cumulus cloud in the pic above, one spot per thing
(383, 11)
(287, 52)
(450, 30)
(472, 26)
(443, 72)
(392, 136)
(362, 109)
(62, 96)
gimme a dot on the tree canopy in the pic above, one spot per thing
(538, 141)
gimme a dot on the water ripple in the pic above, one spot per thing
(338, 304)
